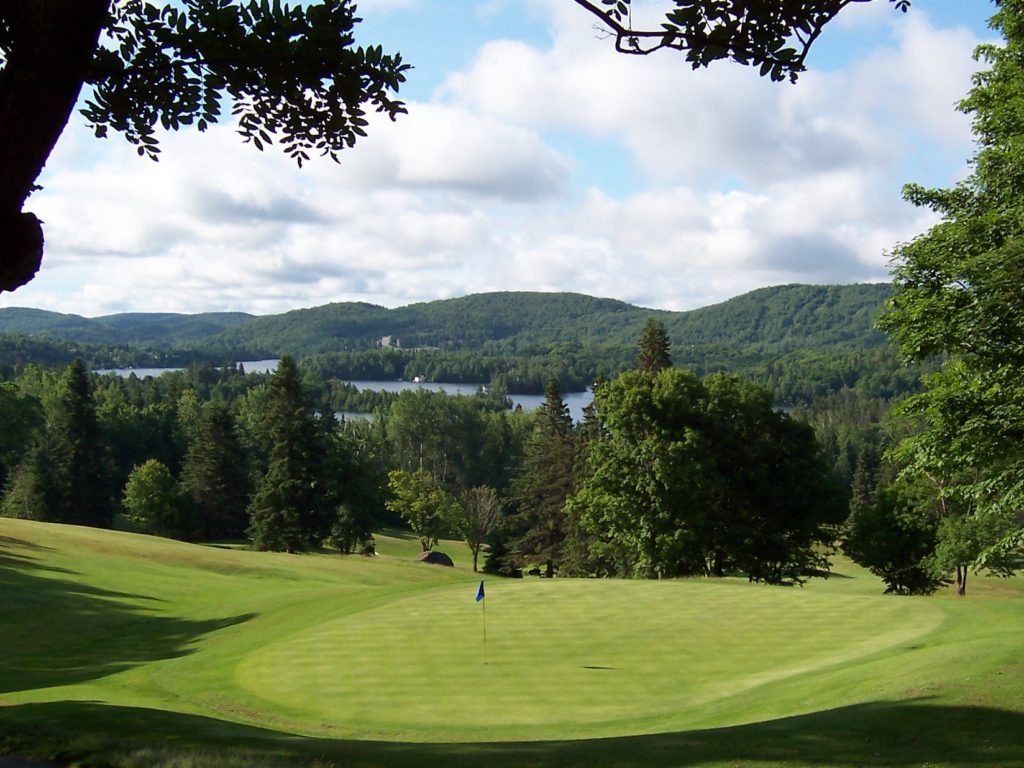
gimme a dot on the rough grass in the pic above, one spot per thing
(129, 650)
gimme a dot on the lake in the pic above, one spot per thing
(250, 366)
(575, 401)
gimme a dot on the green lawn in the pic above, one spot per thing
(136, 651)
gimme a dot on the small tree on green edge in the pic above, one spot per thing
(423, 504)
(153, 500)
(476, 517)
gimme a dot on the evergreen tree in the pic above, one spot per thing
(293, 507)
(542, 485)
(76, 487)
(864, 487)
(215, 476)
(360, 481)
(188, 412)
(655, 348)
(581, 551)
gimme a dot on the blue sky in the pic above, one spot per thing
(533, 158)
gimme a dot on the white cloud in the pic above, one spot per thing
(748, 183)
(725, 123)
(438, 146)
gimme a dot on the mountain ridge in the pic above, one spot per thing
(778, 317)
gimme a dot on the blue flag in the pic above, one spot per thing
(480, 592)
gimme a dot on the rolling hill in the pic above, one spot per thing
(776, 319)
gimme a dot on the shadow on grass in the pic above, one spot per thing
(8, 541)
(886, 735)
(57, 631)
(399, 533)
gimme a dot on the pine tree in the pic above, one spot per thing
(76, 484)
(864, 488)
(655, 348)
(542, 485)
(579, 555)
(215, 476)
(293, 507)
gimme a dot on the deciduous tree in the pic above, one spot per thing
(475, 517)
(23, 495)
(291, 73)
(705, 477)
(21, 416)
(894, 535)
(776, 37)
(153, 500)
(959, 290)
(423, 503)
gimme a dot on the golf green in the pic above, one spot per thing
(565, 657)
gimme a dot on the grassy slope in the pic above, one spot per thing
(114, 643)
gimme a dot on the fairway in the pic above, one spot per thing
(104, 628)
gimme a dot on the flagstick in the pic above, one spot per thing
(483, 606)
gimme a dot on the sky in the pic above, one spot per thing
(533, 158)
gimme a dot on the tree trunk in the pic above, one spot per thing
(476, 552)
(961, 580)
(51, 45)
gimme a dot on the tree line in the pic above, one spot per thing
(669, 474)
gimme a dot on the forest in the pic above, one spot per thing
(672, 471)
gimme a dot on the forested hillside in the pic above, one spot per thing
(777, 319)
(143, 328)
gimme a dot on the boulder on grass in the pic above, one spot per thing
(434, 558)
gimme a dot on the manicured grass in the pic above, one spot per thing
(135, 650)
